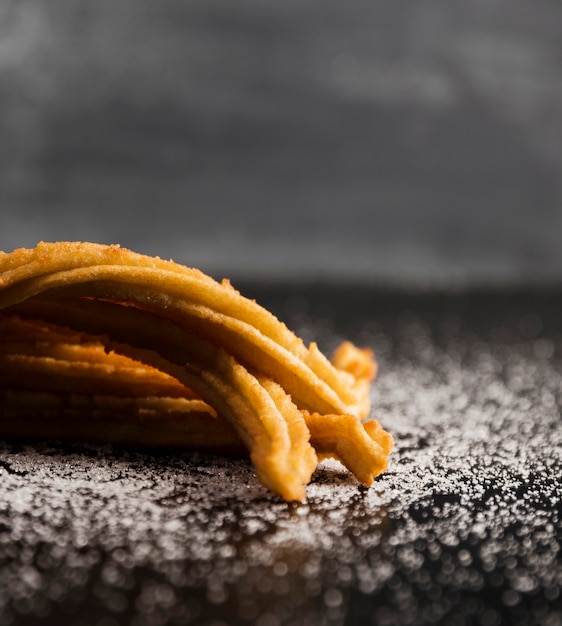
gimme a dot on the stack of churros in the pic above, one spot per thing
(100, 343)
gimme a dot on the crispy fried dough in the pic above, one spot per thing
(166, 288)
(36, 356)
(98, 322)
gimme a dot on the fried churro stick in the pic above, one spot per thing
(168, 288)
(86, 368)
(362, 448)
(102, 310)
(34, 356)
(276, 447)
(55, 383)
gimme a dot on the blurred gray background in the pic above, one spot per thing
(394, 141)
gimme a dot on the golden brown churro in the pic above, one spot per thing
(105, 344)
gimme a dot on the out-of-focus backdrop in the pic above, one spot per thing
(388, 141)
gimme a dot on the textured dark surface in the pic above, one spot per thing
(465, 528)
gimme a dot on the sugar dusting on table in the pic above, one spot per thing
(465, 525)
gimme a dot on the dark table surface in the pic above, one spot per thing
(464, 528)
